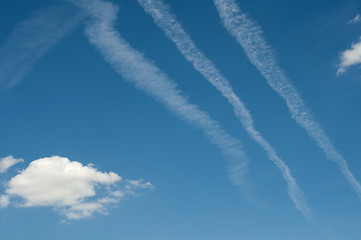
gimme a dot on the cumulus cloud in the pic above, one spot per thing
(354, 20)
(8, 162)
(350, 57)
(74, 190)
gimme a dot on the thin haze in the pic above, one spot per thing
(31, 39)
(174, 31)
(146, 76)
(250, 36)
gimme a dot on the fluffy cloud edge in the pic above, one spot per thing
(74, 190)
(8, 162)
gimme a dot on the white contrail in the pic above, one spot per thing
(174, 31)
(146, 76)
(250, 36)
(32, 38)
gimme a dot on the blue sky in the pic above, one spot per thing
(122, 121)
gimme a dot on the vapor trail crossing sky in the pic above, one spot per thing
(145, 119)
(249, 35)
(174, 31)
(149, 78)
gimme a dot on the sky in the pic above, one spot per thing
(165, 119)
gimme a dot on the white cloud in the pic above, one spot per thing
(4, 201)
(350, 57)
(57, 180)
(74, 190)
(8, 162)
(84, 210)
(354, 20)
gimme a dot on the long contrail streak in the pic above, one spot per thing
(146, 76)
(174, 31)
(250, 36)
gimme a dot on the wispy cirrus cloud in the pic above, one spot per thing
(8, 162)
(250, 36)
(350, 57)
(32, 38)
(173, 29)
(146, 76)
(354, 20)
(70, 188)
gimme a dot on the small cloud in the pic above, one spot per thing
(70, 188)
(354, 20)
(8, 162)
(4, 201)
(350, 57)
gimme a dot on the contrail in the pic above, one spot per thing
(250, 36)
(174, 31)
(146, 76)
(32, 38)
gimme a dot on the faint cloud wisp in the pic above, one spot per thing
(355, 20)
(350, 57)
(31, 39)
